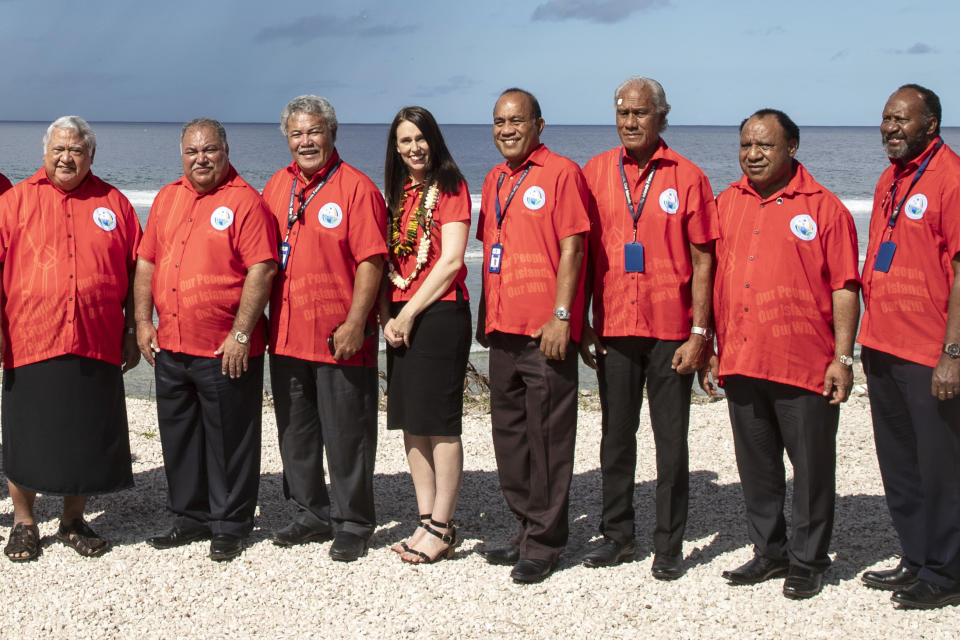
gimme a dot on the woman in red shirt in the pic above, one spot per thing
(425, 315)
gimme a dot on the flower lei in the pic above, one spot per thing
(402, 244)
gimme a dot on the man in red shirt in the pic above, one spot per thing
(652, 279)
(786, 310)
(532, 223)
(206, 262)
(68, 245)
(910, 335)
(323, 342)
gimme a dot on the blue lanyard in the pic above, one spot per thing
(293, 217)
(501, 213)
(895, 214)
(635, 213)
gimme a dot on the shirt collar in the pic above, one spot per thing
(912, 166)
(324, 172)
(538, 156)
(801, 183)
(41, 177)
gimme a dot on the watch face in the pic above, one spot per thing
(241, 337)
(952, 350)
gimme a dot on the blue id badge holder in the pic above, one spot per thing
(884, 256)
(633, 257)
(284, 254)
(496, 256)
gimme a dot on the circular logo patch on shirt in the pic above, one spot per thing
(105, 219)
(803, 227)
(331, 215)
(916, 206)
(669, 201)
(534, 198)
(221, 218)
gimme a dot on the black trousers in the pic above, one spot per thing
(918, 448)
(631, 362)
(334, 408)
(533, 404)
(768, 417)
(210, 436)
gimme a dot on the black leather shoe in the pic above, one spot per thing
(297, 533)
(802, 583)
(508, 555)
(666, 567)
(926, 595)
(758, 569)
(225, 547)
(177, 537)
(890, 579)
(347, 547)
(609, 553)
(529, 571)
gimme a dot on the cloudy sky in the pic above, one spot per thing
(824, 62)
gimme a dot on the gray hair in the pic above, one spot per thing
(72, 123)
(314, 105)
(656, 91)
(206, 123)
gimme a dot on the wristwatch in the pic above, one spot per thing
(952, 350)
(242, 337)
(700, 331)
(845, 359)
(561, 314)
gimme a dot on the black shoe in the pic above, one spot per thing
(225, 546)
(926, 595)
(666, 567)
(508, 555)
(759, 568)
(802, 583)
(529, 571)
(890, 579)
(347, 547)
(177, 537)
(297, 533)
(610, 553)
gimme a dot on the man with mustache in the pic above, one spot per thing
(323, 342)
(533, 219)
(911, 348)
(208, 256)
(651, 262)
(68, 243)
(786, 305)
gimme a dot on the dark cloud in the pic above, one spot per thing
(327, 26)
(605, 11)
(918, 49)
(775, 30)
(451, 85)
(840, 55)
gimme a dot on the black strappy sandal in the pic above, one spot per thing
(450, 538)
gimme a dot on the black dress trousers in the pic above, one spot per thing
(768, 417)
(918, 448)
(629, 364)
(210, 434)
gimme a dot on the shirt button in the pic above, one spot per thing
(175, 315)
(751, 257)
(69, 255)
(779, 200)
(71, 276)
(631, 302)
(746, 308)
(69, 321)
(747, 285)
(68, 215)
(744, 339)
(69, 235)
(763, 205)
(174, 289)
(69, 299)
(189, 219)
(756, 231)
(176, 265)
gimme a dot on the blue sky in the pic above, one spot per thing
(824, 62)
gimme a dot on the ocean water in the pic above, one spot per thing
(140, 158)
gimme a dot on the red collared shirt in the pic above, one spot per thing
(67, 257)
(344, 224)
(549, 206)
(450, 207)
(202, 246)
(906, 308)
(779, 260)
(679, 210)
(4, 183)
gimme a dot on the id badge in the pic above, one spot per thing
(633, 257)
(884, 256)
(496, 255)
(284, 254)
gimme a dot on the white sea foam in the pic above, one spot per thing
(139, 198)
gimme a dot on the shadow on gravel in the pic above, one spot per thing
(863, 534)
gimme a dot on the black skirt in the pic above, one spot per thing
(425, 380)
(65, 427)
